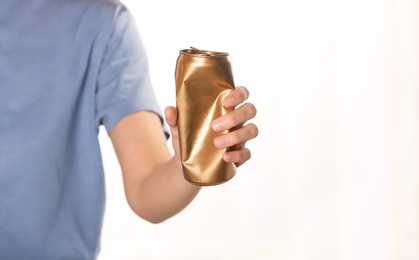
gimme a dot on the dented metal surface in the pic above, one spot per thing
(203, 80)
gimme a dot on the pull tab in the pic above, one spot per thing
(203, 53)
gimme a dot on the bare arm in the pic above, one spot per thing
(153, 179)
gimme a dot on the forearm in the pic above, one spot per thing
(164, 193)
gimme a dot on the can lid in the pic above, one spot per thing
(203, 53)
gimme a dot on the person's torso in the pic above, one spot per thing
(51, 177)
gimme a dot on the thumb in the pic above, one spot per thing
(171, 116)
(171, 119)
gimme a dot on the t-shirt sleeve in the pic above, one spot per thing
(123, 84)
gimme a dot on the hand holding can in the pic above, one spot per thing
(203, 80)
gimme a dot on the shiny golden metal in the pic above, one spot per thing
(203, 80)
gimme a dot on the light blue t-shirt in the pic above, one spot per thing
(66, 67)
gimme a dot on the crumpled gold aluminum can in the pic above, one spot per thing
(203, 80)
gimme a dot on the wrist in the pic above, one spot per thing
(178, 177)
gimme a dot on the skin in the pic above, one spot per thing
(153, 180)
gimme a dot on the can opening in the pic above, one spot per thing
(199, 52)
(202, 53)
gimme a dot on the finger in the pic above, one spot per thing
(241, 135)
(171, 116)
(236, 97)
(234, 118)
(238, 157)
(237, 146)
(171, 119)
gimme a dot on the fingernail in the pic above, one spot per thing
(220, 142)
(217, 125)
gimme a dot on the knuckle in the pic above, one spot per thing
(251, 110)
(245, 155)
(244, 93)
(235, 118)
(231, 139)
(253, 129)
(248, 154)
(240, 157)
(239, 136)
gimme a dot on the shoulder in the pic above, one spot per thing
(91, 9)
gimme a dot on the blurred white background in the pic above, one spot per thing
(335, 169)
